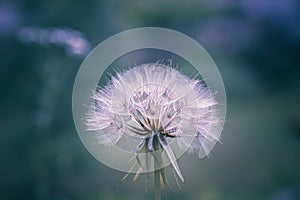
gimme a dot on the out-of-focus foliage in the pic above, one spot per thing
(255, 44)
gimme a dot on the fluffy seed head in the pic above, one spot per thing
(155, 98)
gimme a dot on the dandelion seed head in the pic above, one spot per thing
(155, 98)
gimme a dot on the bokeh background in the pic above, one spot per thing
(256, 45)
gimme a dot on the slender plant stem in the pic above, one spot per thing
(157, 184)
(157, 166)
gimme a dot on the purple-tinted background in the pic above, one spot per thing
(256, 45)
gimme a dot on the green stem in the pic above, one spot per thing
(157, 184)
(157, 166)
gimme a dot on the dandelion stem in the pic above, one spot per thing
(157, 184)
(157, 166)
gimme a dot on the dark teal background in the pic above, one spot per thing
(255, 44)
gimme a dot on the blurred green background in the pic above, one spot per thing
(255, 44)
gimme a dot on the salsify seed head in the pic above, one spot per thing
(155, 99)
